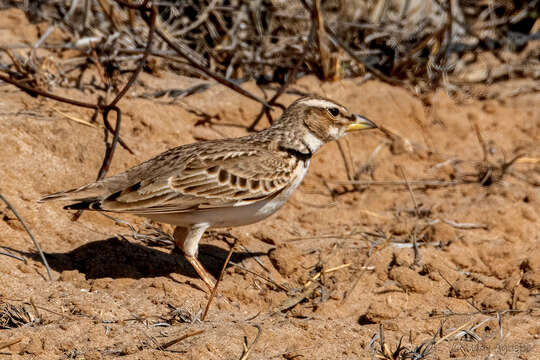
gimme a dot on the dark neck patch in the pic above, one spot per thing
(297, 153)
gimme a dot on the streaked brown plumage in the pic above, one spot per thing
(226, 182)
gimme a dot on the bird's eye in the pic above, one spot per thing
(333, 111)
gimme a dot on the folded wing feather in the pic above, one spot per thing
(206, 181)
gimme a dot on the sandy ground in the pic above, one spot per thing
(477, 266)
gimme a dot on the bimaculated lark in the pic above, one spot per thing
(220, 183)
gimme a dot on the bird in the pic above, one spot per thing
(221, 183)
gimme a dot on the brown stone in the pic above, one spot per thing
(410, 280)
(465, 288)
(285, 258)
(493, 300)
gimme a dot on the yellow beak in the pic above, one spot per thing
(360, 123)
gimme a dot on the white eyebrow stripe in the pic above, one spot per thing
(325, 104)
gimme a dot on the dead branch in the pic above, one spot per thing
(177, 340)
(214, 290)
(36, 243)
(247, 349)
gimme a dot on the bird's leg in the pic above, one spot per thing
(188, 239)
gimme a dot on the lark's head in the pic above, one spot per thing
(319, 120)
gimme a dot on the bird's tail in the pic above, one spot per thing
(90, 192)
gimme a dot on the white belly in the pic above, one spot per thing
(233, 216)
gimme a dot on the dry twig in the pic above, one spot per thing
(214, 290)
(36, 243)
(247, 349)
(177, 340)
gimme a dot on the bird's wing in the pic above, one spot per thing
(205, 180)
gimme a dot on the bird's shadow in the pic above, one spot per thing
(119, 258)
